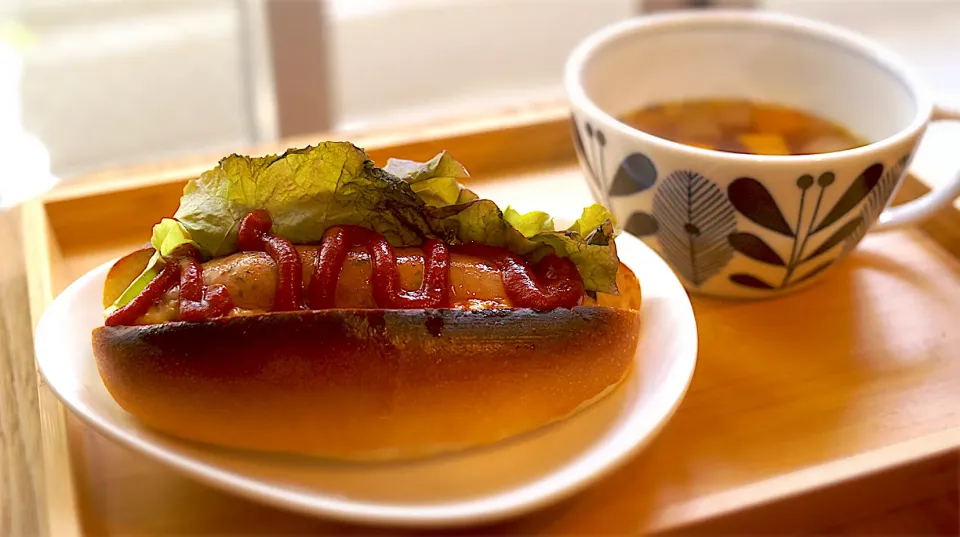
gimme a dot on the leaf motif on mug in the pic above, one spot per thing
(820, 268)
(748, 280)
(753, 247)
(694, 220)
(858, 189)
(754, 201)
(838, 236)
(641, 224)
(877, 201)
(635, 174)
(582, 153)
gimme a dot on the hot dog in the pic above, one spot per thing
(251, 280)
(313, 303)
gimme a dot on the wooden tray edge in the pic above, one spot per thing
(811, 480)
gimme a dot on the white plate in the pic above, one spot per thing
(475, 486)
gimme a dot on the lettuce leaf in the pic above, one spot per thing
(305, 191)
(528, 224)
(588, 242)
(593, 218)
(308, 190)
(154, 266)
(168, 236)
(458, 215)
(436, 182)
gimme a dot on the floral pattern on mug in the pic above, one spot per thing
(754, 201)
(694, 218)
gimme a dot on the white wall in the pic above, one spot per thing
(157, 81)
(925, 32)
(437, 57)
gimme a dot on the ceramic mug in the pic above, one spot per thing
(739, 225)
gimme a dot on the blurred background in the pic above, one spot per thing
(90, 84)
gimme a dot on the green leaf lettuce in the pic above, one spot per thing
(168, 236)
(436, 181)
(529, 224)
(306, 191)
(588, 242)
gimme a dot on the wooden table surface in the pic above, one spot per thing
(21, 477)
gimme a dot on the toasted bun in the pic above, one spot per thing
(366, 384)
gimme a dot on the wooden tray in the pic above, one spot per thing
(803, 409)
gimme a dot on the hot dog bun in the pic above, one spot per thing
(365, 384)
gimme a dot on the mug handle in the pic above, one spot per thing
(923, 207)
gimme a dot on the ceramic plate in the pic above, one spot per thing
(480, 485)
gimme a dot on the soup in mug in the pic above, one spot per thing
(740, 126)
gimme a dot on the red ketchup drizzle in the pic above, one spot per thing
(197, 302)
(337, 241)
(554, 282)
(255, 235)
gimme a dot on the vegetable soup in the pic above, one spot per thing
(741, 126)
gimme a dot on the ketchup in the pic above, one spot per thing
(255, 234)
(337, 241)
(197, 302)
(553, 282)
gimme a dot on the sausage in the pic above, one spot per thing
(251, 280)
(475, 283)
